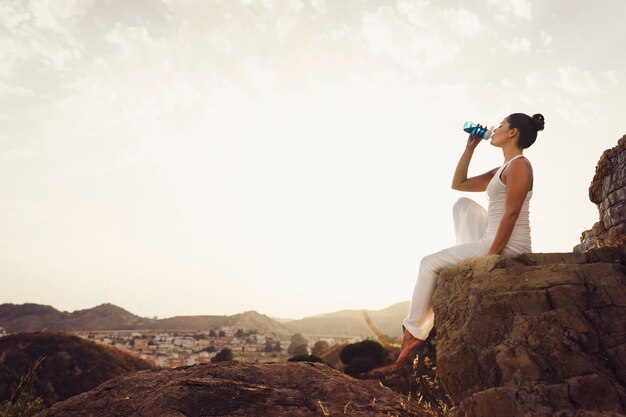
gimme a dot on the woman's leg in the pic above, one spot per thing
(470, 220)
(420, 319)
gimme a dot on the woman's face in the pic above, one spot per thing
(502, 134)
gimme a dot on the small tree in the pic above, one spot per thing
(298, 346)
(319, 346)
(272, 346)
(299, 350)
(224, 355)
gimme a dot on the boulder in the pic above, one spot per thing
(534, 335)
(227, 389)
(608, 192)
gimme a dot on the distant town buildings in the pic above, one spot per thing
(170, 349)
(173, 349)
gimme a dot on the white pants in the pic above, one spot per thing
(470, 222)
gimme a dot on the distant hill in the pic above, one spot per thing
(35, 317)
(351, 322)
(248, 320)
(17, 318)
(72, 365)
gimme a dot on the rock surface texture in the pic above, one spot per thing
(608, 192)
(237, 389)
(536, 335)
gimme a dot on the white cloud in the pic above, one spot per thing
(518, 45)
(576, 111)
(57, 16)
(284, 25)
(414, 48)
(500, 18)
(464, 21)
(532, 79)
(40, 33)
(546, 38)
(611, 76)
(268, 4)
(506, 83)
(576, 81)
(12, 16)
(413, 11)
(294, 6)
(126, 36)
(519, 8)
(57, 56)
(319, 6)
(8, 89)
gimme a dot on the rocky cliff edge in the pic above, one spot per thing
(536, 335)
(608, 193)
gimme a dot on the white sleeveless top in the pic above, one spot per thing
(520, 241)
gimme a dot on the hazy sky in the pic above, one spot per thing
(293, 157)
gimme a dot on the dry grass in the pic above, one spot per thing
(22, 402)
(419, 382)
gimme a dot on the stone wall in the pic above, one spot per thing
(608, 192)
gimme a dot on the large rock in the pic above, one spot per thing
(608, 192)
(293, 389)
(536, 335)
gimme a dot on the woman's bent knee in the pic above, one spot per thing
(463, 202)
(430, 263)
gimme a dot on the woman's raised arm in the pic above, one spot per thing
(460, 181)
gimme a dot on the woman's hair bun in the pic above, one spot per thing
(538, 121)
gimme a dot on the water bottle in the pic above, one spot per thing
(473, 129)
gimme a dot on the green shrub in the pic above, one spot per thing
(305, 358)
(367, 348)
(224, 355)
(362, 356)
(359, 365)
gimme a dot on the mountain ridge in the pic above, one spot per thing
(29, 317)
(350, 322)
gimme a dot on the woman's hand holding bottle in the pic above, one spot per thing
(477, 133)
(473, 141)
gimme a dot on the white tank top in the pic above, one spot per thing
(520, 241)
